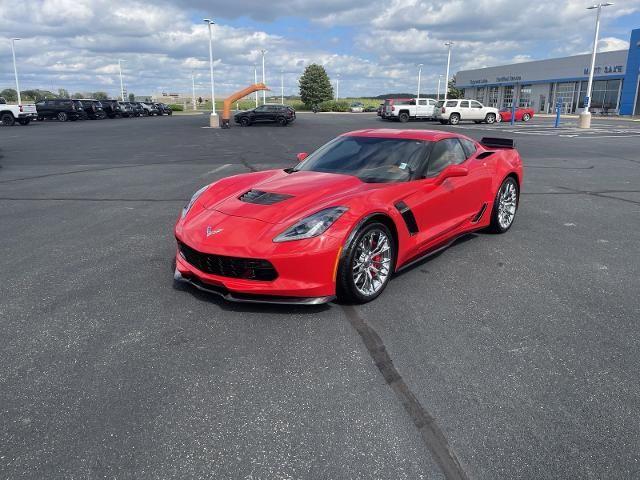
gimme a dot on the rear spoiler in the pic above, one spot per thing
(495, 142)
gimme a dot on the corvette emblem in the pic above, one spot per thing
(211, 231)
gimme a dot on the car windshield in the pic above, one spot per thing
(371, 159)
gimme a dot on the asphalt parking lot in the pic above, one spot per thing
(519, 352)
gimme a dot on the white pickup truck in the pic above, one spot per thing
(405, 109)
(10, 114)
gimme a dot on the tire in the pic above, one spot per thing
(490, 118)
(41, 119)
(403, 117)
(367, 284)
(454, 119)
(526, 117)
(169, 113)
(7, 120)
(244, 121)
(505, 206)
(24, 121)
(499, 119)
(282, 122)
(62, 117)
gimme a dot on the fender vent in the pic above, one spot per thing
(408, 217)
(263, 198)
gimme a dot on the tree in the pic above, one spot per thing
(100, 95)
(315, 86)
(200, 100)
(36, 95)
(78, 95)
(9, 94)
(63, 93)
(453, 91)
(132, 97)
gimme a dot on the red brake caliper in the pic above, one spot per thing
(375, 261)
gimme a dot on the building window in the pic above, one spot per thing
(507, 100)
(525, 96)
(604, 95)
(493, 97)
(565, 93)
(480, 92)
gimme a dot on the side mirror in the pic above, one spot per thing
(453, 171)
(301, 156)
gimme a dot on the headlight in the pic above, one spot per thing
(312, 226)
(188, 206)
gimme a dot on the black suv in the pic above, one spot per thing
(93, 108)
(61, 108)
(281, 114)
(163, 109)
(111, 108)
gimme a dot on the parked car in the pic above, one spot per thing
(391, 103)
(126, 109)
(370, 109)
(10, 114)
(112, 108)
(61, 108)
(149, 109)
(411, 109)
(163, 109)
(454, 111)
(380, 109)
(138, 110)
(356, 107)
(281, 114)
(93, 108)
(522, 114)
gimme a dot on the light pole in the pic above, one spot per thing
(213, 119)
(585, 115)
(255, 80)
(264, 93)
(193, 90)
(15, 68)
(282, 86)
(419, 75)
(121, 83)
(337, 86)
(439, 79)
(446, 80)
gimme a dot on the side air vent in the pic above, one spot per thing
(408, 217)
(263, 198)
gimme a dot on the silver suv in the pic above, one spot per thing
(453, 111)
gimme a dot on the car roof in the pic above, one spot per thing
(426, 135)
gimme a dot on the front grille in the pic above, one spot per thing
(233, 267)
(263, 198)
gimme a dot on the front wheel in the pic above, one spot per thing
(244, 121)
(366, 265)
(282, 122)
(504, 206)
(7, 120)
(490, 118)
(526, 117)
(63, 117)
(454, 119)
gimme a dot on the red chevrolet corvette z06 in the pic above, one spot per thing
(348, 216)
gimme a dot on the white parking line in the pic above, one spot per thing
(217, 169)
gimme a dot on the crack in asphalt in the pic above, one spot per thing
(431, 434)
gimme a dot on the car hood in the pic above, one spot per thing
(284, 197)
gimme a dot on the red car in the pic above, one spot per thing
(522, 114)
(338, 224)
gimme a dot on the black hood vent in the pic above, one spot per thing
(263, 198)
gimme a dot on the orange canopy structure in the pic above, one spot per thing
(226, 112)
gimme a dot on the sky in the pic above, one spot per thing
(375, 46)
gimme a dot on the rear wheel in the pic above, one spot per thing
(454, 119)
(504, 206)
(7, 120)
(63, 117)
(526, 117)
(282, 122)
(490, 118)
(367, 264)
(403, 117)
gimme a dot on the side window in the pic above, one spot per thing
(468, 146)
(452, 103)
(422, 102)
(432, 102)
(260, 109)
(475, 104)
(464, 104)
(445, 152)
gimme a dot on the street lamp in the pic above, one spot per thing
(264, 93)
(121, 83)
(213, 119)
(15, 68)
(282, 86)
(255, 80)
(419, 75)
(439, 79)
(585, 115)
(193, 90)
(337, 86)
(446, 80)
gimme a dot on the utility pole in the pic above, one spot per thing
(264, 93)
(282, 87)
(446, 80)
(15, 68)
(193, 90)
(419, 75)
(255, 80)
(213, 118)
(121, 84)
(337, 86)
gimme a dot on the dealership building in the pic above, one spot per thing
(540, 84)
